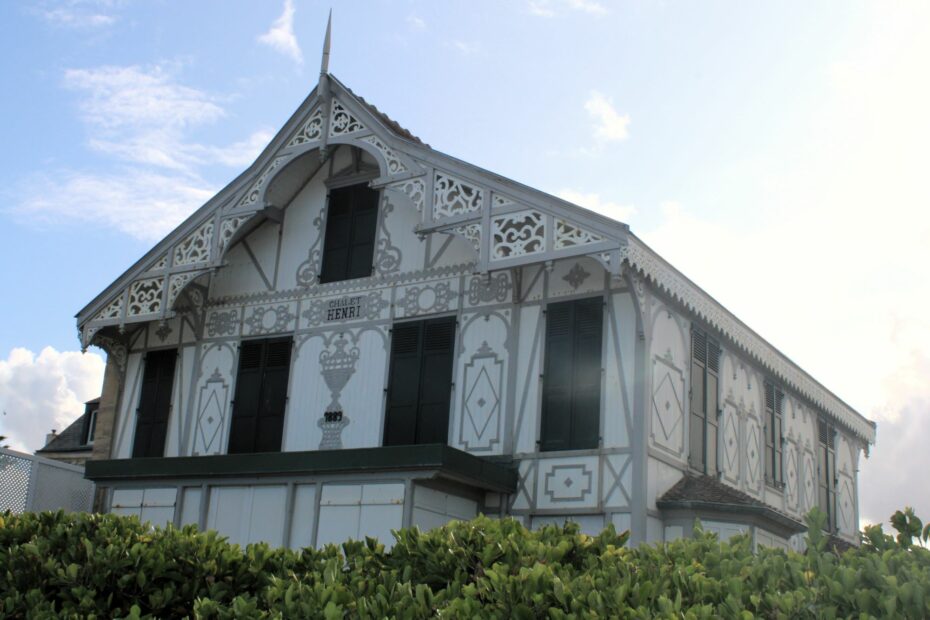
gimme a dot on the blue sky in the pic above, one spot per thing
(774, 152)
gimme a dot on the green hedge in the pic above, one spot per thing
(75, 565)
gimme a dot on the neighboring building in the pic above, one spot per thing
(75, 444)
(361, 333)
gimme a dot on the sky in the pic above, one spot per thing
(775, 153)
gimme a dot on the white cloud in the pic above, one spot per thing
(549, 8)
(416, 22)
(44, 392)
(610, 125)
(119, 97)
(281, 36)
(73, 18)
(143, 118)
(141, 203)
(464, 47)
(594, 202)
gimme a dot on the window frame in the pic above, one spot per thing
(146, 403)
(708, 425)
(774, 448)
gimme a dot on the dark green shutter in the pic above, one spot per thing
(698, 417)
(420, 382)
(154, 403)
(711, 429)
(572, 377)
(351, 226)
(261, 396)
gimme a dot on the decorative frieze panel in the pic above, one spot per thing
(517, 234)
(791, 476)
(431, 298)
(452, 196)
(311, 131)
(160, 265)
(387, 255)
(479, 428)
(251, 197)
(272, 319)
(810, 482)
(499, 201)
(342, 122)
(213, 395)
(568, 483)
(113, 310)
(145, 296)
(395, 164)
(753, 455)
(730, 440)
(222, 323)
(485, 289)
(195, 248)
(568, 235)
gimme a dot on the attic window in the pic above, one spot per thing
(351, 224)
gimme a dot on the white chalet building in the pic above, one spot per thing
(361, 333)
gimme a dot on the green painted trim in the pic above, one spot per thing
(446, 461)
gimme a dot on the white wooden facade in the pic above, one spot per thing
(452, 240)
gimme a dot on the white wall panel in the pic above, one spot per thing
(432, 508)
(212, 397)
(155, 505)
(303, 520)
(359, 510)
(180, 394)
(247, 514)
(190, 505)
(125, 428)
(619, 365)
(529, 367)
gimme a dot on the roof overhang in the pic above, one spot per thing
(762, 516)
(435, 461)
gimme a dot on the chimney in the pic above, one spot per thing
(50, 437)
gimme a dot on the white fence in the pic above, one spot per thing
(31, 484)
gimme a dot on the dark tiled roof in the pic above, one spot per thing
(694, 491)
(386, 120)
(69, 440)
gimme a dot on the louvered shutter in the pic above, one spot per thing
(154, 403)
(351, 226)
(403, 385)
(274, 396)
(556, 427)
(572, 379)
(698, 404)
(420, 382)
(435, 381)
(261, 396)
(586, 380)
(711, 428)
(364, 229)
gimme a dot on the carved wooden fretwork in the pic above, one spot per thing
(177, 283)
(145, 296)
(471, 232)
(568, 235)
(452, 196)
(195, 248)
(341, 121)
(672, 283)
(113, 310)
(228, 228)
(517, 234)
(161, 264)
(311, 131)
(415, 190)
(251, 197)
(394, 163)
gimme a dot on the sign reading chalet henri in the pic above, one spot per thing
(344, 308)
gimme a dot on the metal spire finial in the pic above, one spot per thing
(324, 64)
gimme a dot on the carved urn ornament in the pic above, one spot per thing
(338, 367)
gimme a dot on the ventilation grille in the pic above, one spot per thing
(825, 431)
(699, 346)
